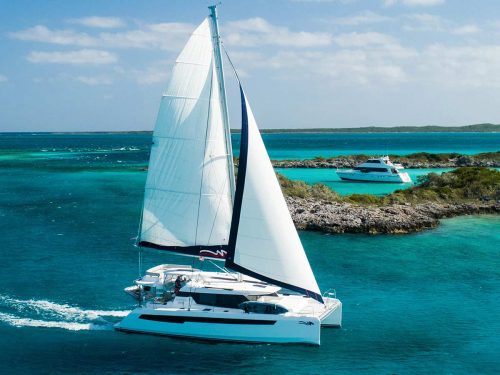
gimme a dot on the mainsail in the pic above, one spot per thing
(263, 241)
(187, 200)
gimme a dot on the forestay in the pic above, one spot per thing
(187, 202)
(264, 242)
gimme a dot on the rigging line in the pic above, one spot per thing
(204, 154)
(217, 211)
(223, 269)
(231, 63)
(191, 286)
(138, 237)
(140, 261)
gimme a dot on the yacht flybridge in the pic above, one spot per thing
(376, 170)
(265, 291)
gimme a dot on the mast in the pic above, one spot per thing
(214, 29)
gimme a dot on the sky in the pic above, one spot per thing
(99, 65)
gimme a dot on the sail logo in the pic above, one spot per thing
(306, 323)
(221, 254)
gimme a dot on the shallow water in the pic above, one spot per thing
(328, 177)
(420, 303)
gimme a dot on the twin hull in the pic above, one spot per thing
(241, 327)
(232, 325)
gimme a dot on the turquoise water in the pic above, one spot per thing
(420, 303)
(307, 146)
(279, 146)
(328, 177)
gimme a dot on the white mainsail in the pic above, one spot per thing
(187, 201)
(264, 242)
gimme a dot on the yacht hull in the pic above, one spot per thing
(374, 177)
(223, 326)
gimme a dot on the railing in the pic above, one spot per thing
(330, 293)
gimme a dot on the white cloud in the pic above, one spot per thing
(156, 72)
(150, 75)
(469, 66)
(3, 78)
(43, 34)
(427, 3)
(425, 22)
(466, 29)
(99, 22)
(341, 68)
(84, 56)
(366, 17)
(324, 1)
(257, 31)
(363, 39)
(166, 36)
(94, 81)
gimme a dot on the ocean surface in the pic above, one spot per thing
(69, 208)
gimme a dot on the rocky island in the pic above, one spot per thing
(417, 160)
(462, 191)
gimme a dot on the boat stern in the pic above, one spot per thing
(332, 317)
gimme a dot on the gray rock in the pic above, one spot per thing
(327, 217)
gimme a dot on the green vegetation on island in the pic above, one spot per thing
(462, 184)
(480, 128)
(422, 157)
(464, 191)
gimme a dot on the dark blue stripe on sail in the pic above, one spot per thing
(240, 180)
(238, 268)
(238, 200)
(212, 251)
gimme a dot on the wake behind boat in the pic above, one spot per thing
(266, 290)
(376, 170)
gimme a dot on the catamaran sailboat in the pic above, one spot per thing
(265, 291)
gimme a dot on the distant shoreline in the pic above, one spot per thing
(476, 128)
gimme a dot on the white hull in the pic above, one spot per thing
(240, 327)
(231, 324)
(352, 175)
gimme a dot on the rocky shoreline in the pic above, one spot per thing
(455, 161)
(342, 217)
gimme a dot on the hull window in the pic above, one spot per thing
(197, 319)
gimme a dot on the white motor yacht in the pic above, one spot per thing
(376, 170)
(193, 206)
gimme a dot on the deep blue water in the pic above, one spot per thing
(279, 145)
(308, 146)
(69, 207)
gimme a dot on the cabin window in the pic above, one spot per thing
(216, 300)
(263, 308)
(369, 169)
(374, 161)
(205, 298)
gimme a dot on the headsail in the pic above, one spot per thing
(187, 201)
(263, 241)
